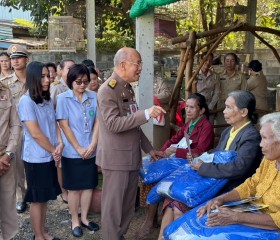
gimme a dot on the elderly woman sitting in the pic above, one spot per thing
(265, 183)
(241, 137)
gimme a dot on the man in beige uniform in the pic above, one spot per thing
(162, 94)
(9, 135)
(57, 87)
(15, 82)
(120, 142)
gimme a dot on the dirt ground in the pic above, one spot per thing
(59, 224)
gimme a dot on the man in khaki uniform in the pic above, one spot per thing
(120, 142)
(16, 82)
(9, 135)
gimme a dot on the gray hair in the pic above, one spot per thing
(62, 63)
(120, 56)
(245, 99)
(274, 118)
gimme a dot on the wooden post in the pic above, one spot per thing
(189, 66)
(176, 90)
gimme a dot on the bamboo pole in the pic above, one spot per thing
(206, 44)
(244, 27)
(267, 44)
(189, 65)
(188, 87)
(178, 84)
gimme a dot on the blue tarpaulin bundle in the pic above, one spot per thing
(190, 227)
(187, 186)
(152, 172)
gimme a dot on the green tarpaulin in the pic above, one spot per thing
(140, 7)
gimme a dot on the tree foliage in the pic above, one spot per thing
(113, 22)
(111, 15)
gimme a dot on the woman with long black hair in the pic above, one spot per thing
(42, 146)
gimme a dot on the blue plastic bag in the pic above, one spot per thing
(161, 189)
(152, 172)
(192, 189)
(187, 186)
(190, 227)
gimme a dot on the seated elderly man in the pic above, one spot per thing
(265, 183)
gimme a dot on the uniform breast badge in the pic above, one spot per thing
(3, 98)
(112, 83)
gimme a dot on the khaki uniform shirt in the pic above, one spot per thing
(230, 83)
(16, 86)
(209, 87)
(10, 125)
(120, 137)
(258, 86)
(162, 92)
(57, 87)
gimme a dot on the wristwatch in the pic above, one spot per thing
(11, 155)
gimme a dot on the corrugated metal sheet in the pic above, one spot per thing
(5, 14)
(6, 32)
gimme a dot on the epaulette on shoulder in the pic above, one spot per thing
(3, 86)
(56, 82)
(6, 77)
(112, 83)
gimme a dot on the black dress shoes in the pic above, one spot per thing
(77, 232)
(21, 207)
(92, 226)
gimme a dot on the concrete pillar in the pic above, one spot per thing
(251, 18)
(90, 17)
(145, 45)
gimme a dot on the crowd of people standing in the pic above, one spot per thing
(57, 123)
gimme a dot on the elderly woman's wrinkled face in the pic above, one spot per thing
(270, 144)
(193, 111)
(233, 115)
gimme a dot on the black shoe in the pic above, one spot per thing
(21, 207)
(77, 232)
(92, 226)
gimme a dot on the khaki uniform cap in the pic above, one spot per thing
(17, 51)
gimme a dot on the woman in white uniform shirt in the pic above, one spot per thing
(42, 146)
(76, 113)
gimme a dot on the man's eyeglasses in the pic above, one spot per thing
(79, 82)
(139, 65)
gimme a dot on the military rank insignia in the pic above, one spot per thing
(56, 82)
(112, 83)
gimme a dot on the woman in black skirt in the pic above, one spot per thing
(76, 114)
(42, 146)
